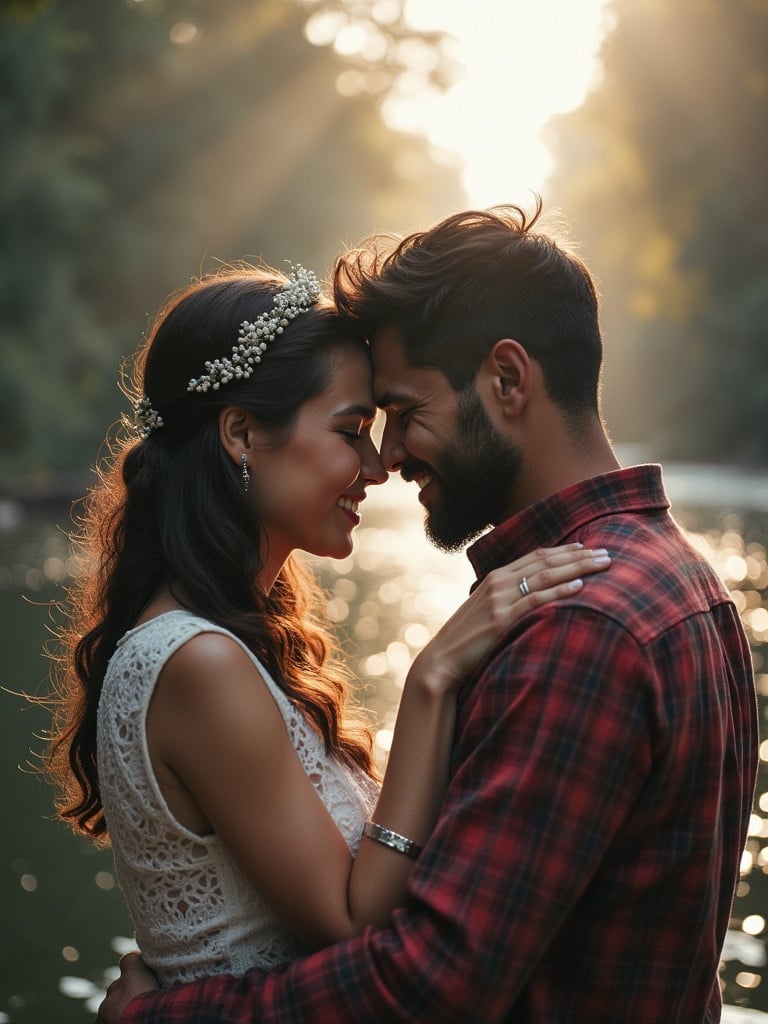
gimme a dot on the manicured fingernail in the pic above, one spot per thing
(602, 559)
(600, 551)
(576, 584)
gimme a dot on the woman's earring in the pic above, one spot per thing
(246, 474)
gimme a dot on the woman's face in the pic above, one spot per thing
(307, 490)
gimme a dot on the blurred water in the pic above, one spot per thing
(65, 924)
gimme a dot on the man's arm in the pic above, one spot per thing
(554, 732)
(135, 979)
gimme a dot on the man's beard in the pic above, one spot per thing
(477, 470)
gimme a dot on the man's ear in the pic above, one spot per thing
(237, 432)
(508, 377)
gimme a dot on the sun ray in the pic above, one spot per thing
(524, 61)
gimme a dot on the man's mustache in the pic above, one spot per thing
(412, 468)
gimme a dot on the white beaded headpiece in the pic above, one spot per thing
(298, 295)
(146, 418)
(301, 291)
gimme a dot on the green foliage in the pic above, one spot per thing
(49, 343)
(662, 169)
(148, 142)
(21, 10)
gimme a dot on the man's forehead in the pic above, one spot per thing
(393, 376)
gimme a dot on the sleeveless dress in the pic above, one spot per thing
(194, 912)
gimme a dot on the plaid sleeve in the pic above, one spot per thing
(555, 750)
(552, 747)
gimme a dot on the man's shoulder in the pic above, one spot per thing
(657, 579)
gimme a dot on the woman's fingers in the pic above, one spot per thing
(547, 572)
(553, 583)
(504, 597)
(547, 567)
(553, 557)
(551, 575)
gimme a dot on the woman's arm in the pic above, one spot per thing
(223, 757)
(417, 770)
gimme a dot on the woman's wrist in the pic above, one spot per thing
(394, 840)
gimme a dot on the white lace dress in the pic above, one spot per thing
(193, 911)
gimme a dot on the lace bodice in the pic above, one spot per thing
(194, 912)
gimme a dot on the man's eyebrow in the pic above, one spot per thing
(391, 398)
(366, 412)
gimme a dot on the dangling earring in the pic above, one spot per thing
(246, 474)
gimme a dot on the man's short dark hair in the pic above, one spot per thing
(453, 291)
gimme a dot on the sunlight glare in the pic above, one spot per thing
(523, 61)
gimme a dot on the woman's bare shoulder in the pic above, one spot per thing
(210, 665)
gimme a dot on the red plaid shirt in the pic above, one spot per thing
(585, 859)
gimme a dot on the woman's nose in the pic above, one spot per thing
(373, 470)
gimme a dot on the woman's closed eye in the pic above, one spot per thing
(359, 433)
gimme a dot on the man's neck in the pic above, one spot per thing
(561, 459)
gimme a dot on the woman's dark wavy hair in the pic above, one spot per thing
(170, 510)
(454, 290)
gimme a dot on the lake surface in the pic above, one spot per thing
(64, 922)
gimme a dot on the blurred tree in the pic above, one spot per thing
(662, 170)
(377, 41)
(51, 356)
(149, 141)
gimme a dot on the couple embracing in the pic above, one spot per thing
(558, 833)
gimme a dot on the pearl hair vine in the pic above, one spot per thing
(300, 292)
(146, 418)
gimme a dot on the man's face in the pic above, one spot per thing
(446, 442)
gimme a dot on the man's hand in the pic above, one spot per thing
(135, 978)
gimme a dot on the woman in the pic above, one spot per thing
(205, 726)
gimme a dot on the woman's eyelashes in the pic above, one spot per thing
(358, 433)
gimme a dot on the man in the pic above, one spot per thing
(584, 862)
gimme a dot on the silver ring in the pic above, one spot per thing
(524, 588)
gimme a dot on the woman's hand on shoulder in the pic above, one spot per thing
(502, 598)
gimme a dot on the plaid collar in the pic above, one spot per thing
(554, 519)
